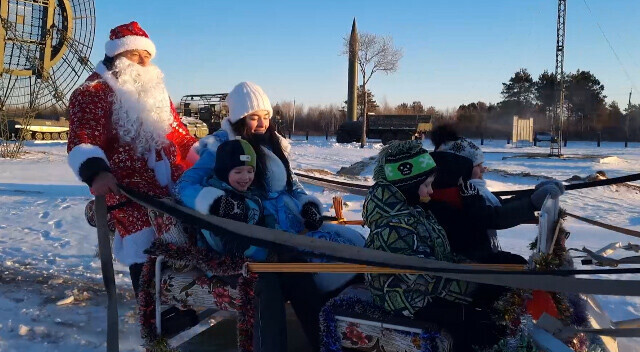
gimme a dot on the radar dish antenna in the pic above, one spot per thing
(44, 50)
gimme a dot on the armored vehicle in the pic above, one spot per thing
(199, 109)
(385, 127)
(39, 129)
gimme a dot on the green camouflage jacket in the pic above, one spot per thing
(397, 227)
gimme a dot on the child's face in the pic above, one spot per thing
(425, 189)
(240, 177)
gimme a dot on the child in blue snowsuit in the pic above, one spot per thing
(229, 184)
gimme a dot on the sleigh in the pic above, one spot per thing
(176, 287)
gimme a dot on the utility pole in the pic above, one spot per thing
(558, 111)
(626, 138)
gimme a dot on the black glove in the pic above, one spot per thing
(233, 207)
(538, 197)
(230, 207)
(468, 189)
(312, 216)
(556, 183)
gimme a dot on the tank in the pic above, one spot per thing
(39, 129)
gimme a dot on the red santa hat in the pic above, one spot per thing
(129, 36)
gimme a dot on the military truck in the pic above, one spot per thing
(53, 129)
(200, 111)
(385, 127)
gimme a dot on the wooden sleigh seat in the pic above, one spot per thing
(193, 289)
(352, 322)
(189, 278)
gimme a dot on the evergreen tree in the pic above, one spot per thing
(518, 93)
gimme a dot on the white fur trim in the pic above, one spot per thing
(130, 249)
(130, 42)
(306, 198)
(80, 153)
(276, 177)
(226, 126)
(193, 155)
(206, 197)
(101, 69)
(286, 146)
(209, 142)
(161, 168)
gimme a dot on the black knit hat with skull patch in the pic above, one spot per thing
(406, 165)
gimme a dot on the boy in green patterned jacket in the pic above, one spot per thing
(403, 176)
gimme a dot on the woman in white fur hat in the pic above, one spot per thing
(286, 206)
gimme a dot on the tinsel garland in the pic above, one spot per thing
(208, 263)
(520, 341)
(571, 308)
(330, 337)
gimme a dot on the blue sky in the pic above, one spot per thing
(454, 51)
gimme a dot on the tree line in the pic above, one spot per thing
(587, 113)
(327, 118)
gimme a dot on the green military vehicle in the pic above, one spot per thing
(386, 128)
(54, 129)
(203, 113)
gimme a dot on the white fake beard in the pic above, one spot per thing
(142, 110)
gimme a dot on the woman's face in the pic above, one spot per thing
(425, 190)
(478, 171)
(257, 122)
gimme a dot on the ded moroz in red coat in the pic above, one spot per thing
(94, 146)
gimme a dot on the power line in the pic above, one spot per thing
(610, 46)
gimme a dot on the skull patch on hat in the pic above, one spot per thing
(405, 168)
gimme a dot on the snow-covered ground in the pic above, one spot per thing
(47, 250)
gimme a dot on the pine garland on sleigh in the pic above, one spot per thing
(215, 266)
(518, 308)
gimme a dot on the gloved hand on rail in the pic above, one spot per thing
(312, 216)
(557, 183)
(230, 206)
(538, 197)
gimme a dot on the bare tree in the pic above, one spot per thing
(375, 54)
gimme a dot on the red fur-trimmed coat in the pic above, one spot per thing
(94, 146)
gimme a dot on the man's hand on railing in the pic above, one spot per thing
(105, 183)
